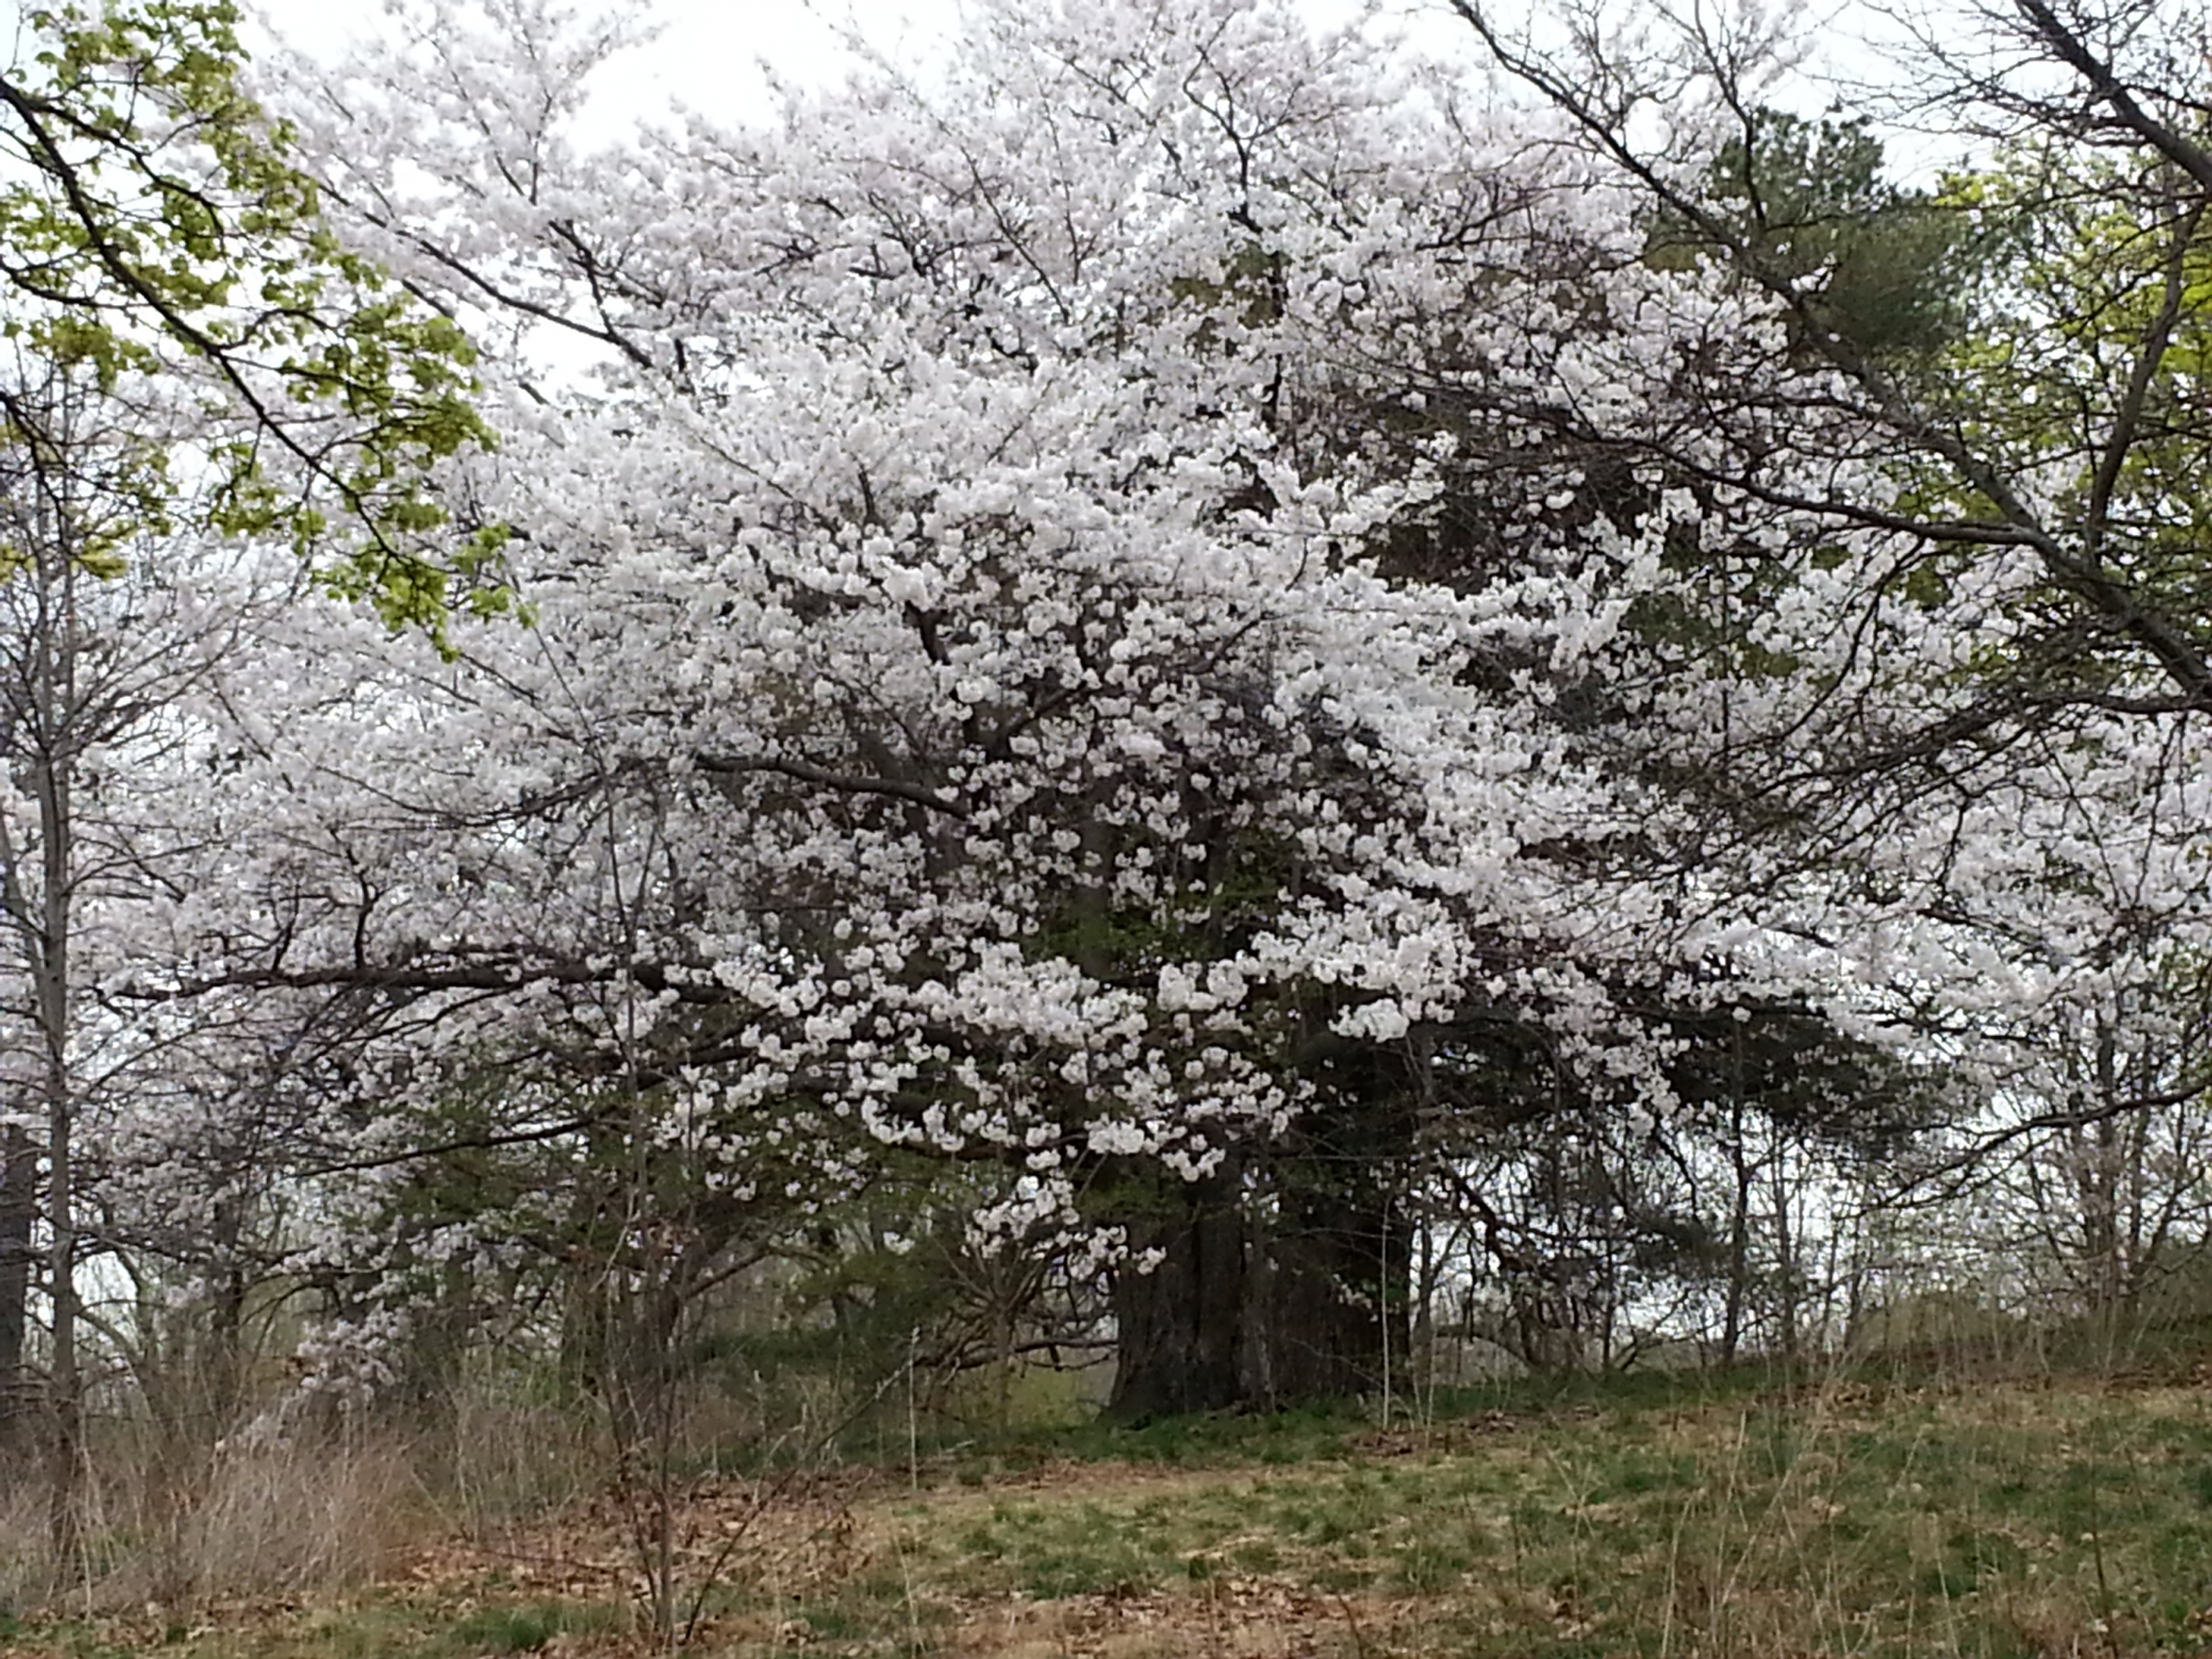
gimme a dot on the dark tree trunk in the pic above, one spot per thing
(223, 1372)
(1337, 1313)
(1739, 1238)
(18, 1211)
(1181, 1325)
(1279, 1280)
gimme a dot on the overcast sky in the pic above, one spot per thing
(707, 55)
(709, 52)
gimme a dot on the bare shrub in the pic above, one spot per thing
(494, 1462)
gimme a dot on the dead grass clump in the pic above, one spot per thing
(274, 1516)
(494, 1463)
(295, 1515)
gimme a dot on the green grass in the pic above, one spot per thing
(1905, 1516)
(529, 1626)
(1910, 1523)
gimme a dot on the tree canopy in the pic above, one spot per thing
(1172, 672)
(158, 228)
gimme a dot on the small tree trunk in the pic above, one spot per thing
(1739, 1238)
(50, 962)
(1340, 1294)
(66, 1402)
(1789, 1279)
(18, 1214)
(1261, 1300)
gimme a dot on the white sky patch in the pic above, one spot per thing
(712, 55)
(718, 56)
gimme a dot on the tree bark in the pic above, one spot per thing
(1739, 1238)
(1181, 1324)
(18, 1213)
(51, 977)
(1339, 1301)
(1274, 1284)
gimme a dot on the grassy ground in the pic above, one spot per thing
(2035, 1518)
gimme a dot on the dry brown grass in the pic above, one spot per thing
(2027, 1524)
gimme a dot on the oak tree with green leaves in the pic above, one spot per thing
(154, 226)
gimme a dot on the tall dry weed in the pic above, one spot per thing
(492, 1463)
(274, 1516)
